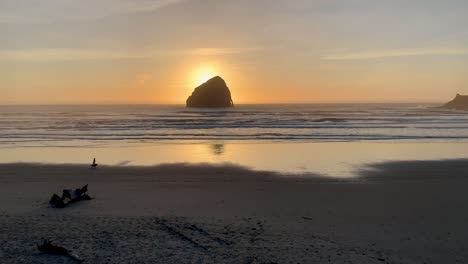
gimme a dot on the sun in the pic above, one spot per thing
(204, 77)
(202, 74)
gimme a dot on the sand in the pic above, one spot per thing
(395, 212)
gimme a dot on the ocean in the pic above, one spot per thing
(47, 125)
(292, 136)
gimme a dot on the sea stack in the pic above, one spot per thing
(459, 103)
(212, 93)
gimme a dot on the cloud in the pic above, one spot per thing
(393, 53)
(215, 51)
(65, 54)
(46, 11)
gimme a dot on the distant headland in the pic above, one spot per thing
(460, 102)
(213, 93)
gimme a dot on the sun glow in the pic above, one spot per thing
(202, 74)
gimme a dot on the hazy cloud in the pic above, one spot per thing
(214, 51)
(366, 55)
(65, 54)
(40, 11)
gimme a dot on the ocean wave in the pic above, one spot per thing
(281, 122)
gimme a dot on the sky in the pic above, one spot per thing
(268, 51)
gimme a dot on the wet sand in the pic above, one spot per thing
(394, 212)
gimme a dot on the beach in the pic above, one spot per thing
(391, 212)
(233, 132)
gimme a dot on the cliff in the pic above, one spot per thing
(460, 102)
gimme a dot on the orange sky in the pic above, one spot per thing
(271, 51)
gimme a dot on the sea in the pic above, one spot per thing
(332, 139)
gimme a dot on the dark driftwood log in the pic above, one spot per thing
(69, 197)
(57, 202)
(48, 248)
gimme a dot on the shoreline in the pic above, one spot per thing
(325, 158)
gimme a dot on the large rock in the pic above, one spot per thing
(459, 103)
(213, 93)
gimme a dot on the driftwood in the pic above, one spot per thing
(69, 196)
(48, 248)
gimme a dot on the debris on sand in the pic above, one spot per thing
(94, 165)
(48, 248)
(69, 196)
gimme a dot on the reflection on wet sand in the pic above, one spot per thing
(327, 158)
(217, 149)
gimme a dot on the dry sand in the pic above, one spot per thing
(397, 212)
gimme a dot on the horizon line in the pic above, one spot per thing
(183, 104)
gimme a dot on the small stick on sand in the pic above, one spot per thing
(94, 165)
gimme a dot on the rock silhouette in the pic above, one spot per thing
(460, 102)
(212, 93)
